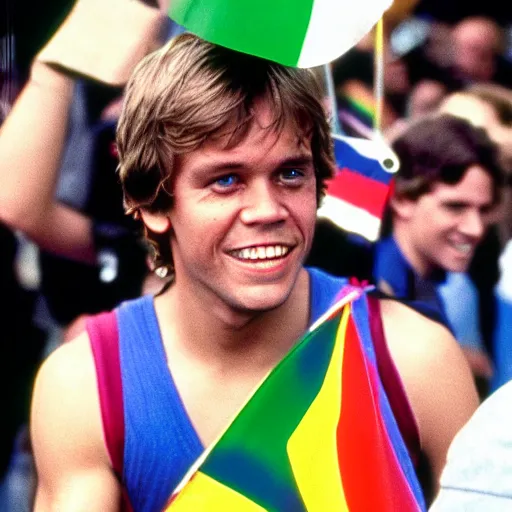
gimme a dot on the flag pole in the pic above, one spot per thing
(379, 77)
(333, 105)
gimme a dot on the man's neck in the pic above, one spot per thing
(223, 337)
(420, 267)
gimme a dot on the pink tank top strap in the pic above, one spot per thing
(104, 338)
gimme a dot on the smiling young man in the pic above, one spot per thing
(445, 195)
(223, 156)
(445, 198)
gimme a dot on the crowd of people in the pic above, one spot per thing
(176, 183)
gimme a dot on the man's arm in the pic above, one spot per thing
(73, 468)
(32, 139)
(436, 376)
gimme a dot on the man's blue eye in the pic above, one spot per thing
(290, 174)
(226, 181)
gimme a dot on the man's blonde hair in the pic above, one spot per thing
(190, 91)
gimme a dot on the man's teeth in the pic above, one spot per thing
(466, 248)
(262, 253)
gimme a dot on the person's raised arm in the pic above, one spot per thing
(73, 468)
(32, 139)
(33, 136)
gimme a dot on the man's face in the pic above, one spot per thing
(443, 227)
(243, 218)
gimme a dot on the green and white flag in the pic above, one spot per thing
(301, 33)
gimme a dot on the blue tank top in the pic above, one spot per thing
(155, 419)
(149, 435)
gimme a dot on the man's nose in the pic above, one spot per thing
(473, 224)
(263, 204)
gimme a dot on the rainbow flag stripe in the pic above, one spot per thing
(317, 435)
(363, 107)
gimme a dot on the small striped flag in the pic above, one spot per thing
(356, 197)
(301, 33)
(316, 436)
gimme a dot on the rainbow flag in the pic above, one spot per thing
(357, 195)
(357, 115)
(365, 107)
(318, 434)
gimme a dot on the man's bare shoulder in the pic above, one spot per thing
(435, 374)
(71, 360)
(65, 395)
(421, 348)
(67, 432)
(410, 332)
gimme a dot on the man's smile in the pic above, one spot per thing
(465, 248)
(261, 252)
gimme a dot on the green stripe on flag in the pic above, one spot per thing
(272, 29)
(256, 441)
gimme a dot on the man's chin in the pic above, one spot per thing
(458, 267)
(260, 301)
(256, 306)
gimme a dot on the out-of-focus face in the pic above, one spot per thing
(425, 98)
(475, 46)
(441, 229)
(243, 218)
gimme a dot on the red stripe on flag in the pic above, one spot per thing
(371, 475)
(356, 189)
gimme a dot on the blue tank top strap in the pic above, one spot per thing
(160, 441)
(324, 288)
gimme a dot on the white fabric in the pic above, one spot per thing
(478, 474)
(336, 26)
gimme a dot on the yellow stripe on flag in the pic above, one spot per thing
(203, 493)
(312, 447)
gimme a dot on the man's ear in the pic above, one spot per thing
(156, 222)
(402, 206)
